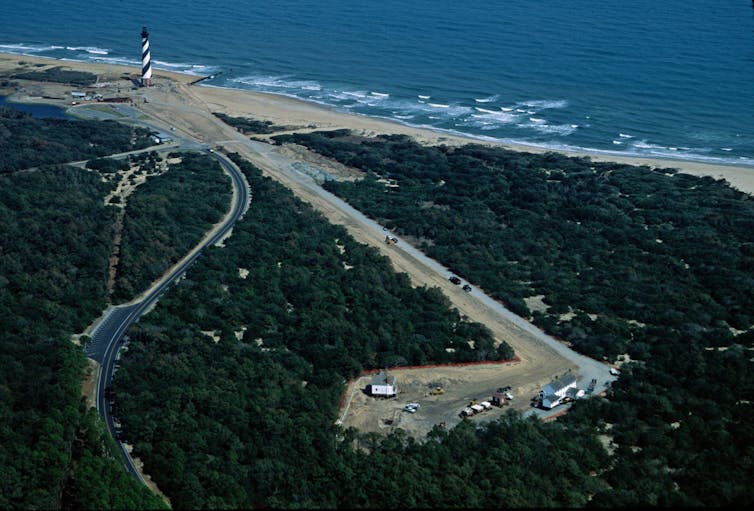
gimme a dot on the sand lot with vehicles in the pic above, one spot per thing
(460, 386)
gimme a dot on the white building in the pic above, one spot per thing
(161, 138)
(554, 392)
(382, 386)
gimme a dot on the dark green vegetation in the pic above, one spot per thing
(59, 75)
(585, 235)
(651, 254)
(248, 126)
(107, 165)
(167, 217)
(55, 237)
(251, 421)
(240, 424)
(27, 142)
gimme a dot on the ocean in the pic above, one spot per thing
(670, 78)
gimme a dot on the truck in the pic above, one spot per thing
(466, 412)
(391, 240)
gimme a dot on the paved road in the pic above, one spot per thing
(108, 336)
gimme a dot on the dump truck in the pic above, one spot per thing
(437, 391)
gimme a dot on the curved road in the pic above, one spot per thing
(108, 335)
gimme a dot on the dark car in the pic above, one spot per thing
(455, 280)
(467, 288)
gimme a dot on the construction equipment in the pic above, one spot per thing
(437, 391)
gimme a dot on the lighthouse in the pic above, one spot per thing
(146, 64)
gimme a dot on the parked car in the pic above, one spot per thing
(455, 280)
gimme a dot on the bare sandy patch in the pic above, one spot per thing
(461, 385)
(212, 334)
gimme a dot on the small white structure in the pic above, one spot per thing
(554, 392)
(382, 386)
(161, 138)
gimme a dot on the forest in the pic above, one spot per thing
(229, 388)
(54, 244)
(246, 419)
(617, 253)
(164, 220)
(27, 142)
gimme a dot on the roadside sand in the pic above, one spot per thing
(304, 116)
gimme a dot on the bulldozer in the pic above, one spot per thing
(437, 391)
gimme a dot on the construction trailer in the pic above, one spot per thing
(383, 385)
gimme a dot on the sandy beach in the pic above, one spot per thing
(306, 116)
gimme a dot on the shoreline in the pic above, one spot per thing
(302, 115)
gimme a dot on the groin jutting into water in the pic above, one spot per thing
(204, 78)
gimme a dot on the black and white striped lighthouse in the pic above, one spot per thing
(146, 64)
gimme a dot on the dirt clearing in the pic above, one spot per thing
(460, 384)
